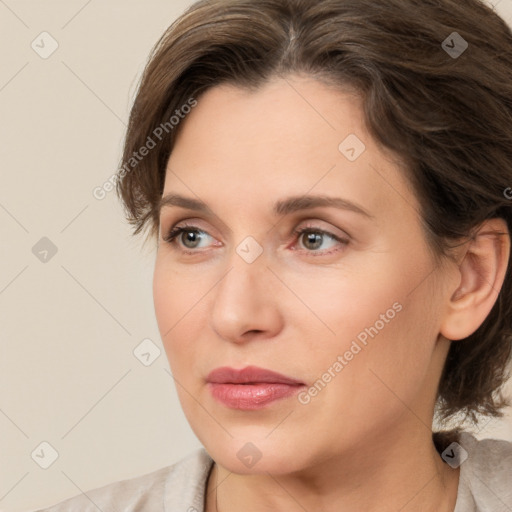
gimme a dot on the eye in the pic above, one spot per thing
(313, 238)
(188, 236)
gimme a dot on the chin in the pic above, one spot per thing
(245, 457)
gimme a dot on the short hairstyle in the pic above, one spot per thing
(445, 114)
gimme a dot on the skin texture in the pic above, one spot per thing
(364, 441)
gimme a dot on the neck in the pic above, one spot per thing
(404, 473)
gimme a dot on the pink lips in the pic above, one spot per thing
(251, 387)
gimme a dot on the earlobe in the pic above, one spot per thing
(482, 272)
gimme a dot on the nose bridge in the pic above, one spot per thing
(247, 260)
(242, 301)
(245, 278)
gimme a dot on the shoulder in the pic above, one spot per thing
(179, 485)
(486, 474)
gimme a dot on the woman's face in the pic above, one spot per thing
(350, 309)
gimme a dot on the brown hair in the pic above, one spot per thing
(447, 117)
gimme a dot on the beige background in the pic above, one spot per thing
(68, 326)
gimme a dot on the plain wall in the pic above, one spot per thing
(69, 326)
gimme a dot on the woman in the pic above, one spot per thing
(329, 187)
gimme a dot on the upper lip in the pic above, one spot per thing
(249, 374)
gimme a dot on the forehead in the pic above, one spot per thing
(309, 118)
(290, 137)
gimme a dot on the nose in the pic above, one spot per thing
(245, 305)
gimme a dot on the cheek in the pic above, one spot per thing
(369, 315)
(174, 295)
(379, 377)
(344, 304)
(170, 300)
(392, 359)
(163, 299)
(181, 312)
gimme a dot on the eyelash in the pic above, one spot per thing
(170, 238)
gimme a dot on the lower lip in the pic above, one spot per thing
(252, 396)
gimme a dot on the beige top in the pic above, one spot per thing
(485, 483)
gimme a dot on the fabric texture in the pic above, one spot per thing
(485, 483)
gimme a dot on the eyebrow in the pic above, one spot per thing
(282, 207)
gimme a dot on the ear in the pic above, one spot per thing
(482, 272)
